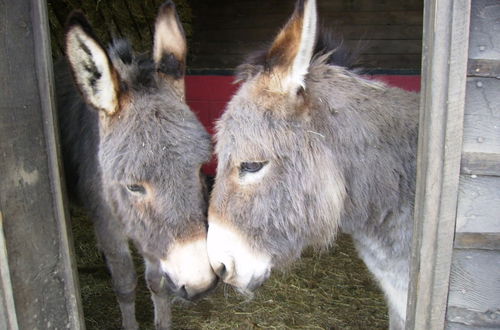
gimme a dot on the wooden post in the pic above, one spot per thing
(8, 318)
(444, 68)
(39, 249)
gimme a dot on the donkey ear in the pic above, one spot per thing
(170, 48)
(93, 72)
(291, 51)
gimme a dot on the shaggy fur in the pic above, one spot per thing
(339, 155)
(155, 141)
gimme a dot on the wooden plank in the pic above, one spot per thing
(474, 297)
(482, 116)
(480, 163)
(347, 32)
(483, 68)
(484, 30)
(226, 31)
(458, 326)
(372, 46)
(484, 241)
(368, 61)
(279, 6)
(478, 209)
(42, 270)
(275, 21)
(446, 35)
(8, 318)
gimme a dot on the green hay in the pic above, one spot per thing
(330, 290)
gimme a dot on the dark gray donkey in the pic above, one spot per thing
(307, 148)
(133, 151)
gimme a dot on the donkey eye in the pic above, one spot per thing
(251, 167)
(136, 188)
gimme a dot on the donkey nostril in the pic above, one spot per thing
(221, 271)
(183, 292)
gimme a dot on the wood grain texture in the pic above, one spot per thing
(8, 318)
(478, 209)
(444, 70)
(482, 116)
(225, 32)
(484, 241)
(480, 163)
(40, 260)
(458, 326)
(483, 68)
(474, 297)
(485, 30)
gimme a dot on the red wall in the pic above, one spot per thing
(207, 96)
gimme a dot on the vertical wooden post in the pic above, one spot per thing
(444, 68)
(39, 249)
(8, 318)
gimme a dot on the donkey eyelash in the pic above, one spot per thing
(136, 188)
(251, 167)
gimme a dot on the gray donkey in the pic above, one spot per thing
(133, 150)
(307, 148)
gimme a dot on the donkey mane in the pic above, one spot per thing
(139, 71)
(329, 46)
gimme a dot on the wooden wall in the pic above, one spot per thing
(38, 284)
(474, 296)
(225, 31)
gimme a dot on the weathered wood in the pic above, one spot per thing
(41, 263)
(482, 116)
(485, 241)
(474, 297)
(243, 20)
(458, 326)
(226, 31)
(368, 61)
(444, 70)
(478, 209)
(8, 318)
(381, 47)
(484, 30)
(483, 68)
(480, 163)
(275, 6)
(369, 33)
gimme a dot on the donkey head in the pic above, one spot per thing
(151, 146)
(276, 189)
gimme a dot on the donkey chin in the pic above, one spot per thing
(187, 272)
(233, 259)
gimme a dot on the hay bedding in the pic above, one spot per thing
(331, 290)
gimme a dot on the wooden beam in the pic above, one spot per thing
(483, 241)
(483, 68)
(474, 291)
(480, 163)
(444, 68)
(478, 206)
(8, 318)
(42, 270)
(484, 36)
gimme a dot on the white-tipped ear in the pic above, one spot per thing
(170, 47)
(169, 35)
(292, 50)
(302, 60)
(92, 69)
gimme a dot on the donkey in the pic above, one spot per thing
(133, 151)
(307, 148)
